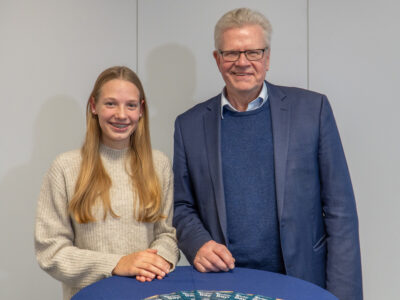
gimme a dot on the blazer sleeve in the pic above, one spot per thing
(343, 262)
(191, 232)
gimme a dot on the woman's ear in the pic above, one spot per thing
(141, 108)
(92, 105)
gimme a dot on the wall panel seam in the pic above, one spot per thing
(137, 37)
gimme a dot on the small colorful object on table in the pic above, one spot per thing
(209, 295)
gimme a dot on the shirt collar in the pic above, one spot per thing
(256, 103)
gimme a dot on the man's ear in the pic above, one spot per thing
(267, 55)
(217, 58)
(92, 106)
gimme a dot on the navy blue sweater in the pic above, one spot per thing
(249, 187)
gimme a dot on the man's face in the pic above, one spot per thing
(243, 77)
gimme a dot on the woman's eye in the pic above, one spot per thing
(109, 103)
(132, 105)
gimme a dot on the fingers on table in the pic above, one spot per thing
(151, 263)
(213, 257)
(146, 264)
(142, 278)
(210, 264)
(225, 255)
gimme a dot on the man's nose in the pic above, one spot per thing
(242, 60)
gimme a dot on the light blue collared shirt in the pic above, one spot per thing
(256, 103)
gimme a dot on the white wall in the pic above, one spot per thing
(52, 51)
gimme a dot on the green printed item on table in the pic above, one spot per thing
(209, 295)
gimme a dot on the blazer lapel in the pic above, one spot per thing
(212, 128)
(280, 115)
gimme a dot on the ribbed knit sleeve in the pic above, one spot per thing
(54, 236)
(165, 237)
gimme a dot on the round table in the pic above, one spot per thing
(187, 278)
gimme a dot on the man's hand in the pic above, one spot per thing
(145, 265)
(213, 257)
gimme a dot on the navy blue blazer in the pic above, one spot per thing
(316, 208)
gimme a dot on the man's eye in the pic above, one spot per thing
(252, 53)
(109, 103)
(231, 54)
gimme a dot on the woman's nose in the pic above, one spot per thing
(121, 114)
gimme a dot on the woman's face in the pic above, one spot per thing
(119, 109)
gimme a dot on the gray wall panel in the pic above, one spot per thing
(50, 55)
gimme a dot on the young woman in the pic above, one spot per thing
(106, 209)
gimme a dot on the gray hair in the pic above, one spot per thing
(240, 17)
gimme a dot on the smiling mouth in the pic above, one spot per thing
(119, 126)
(241, 74)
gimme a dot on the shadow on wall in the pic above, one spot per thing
(169, 87)
(59, 127)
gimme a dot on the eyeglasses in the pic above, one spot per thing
(251, 55)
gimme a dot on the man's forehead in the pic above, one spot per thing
(243, 26)
(250, 33)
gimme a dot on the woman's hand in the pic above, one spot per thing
(145, 265)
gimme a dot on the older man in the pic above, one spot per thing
(261, 179)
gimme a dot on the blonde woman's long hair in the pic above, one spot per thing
(93, 182)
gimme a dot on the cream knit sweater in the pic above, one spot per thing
(80, 254)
